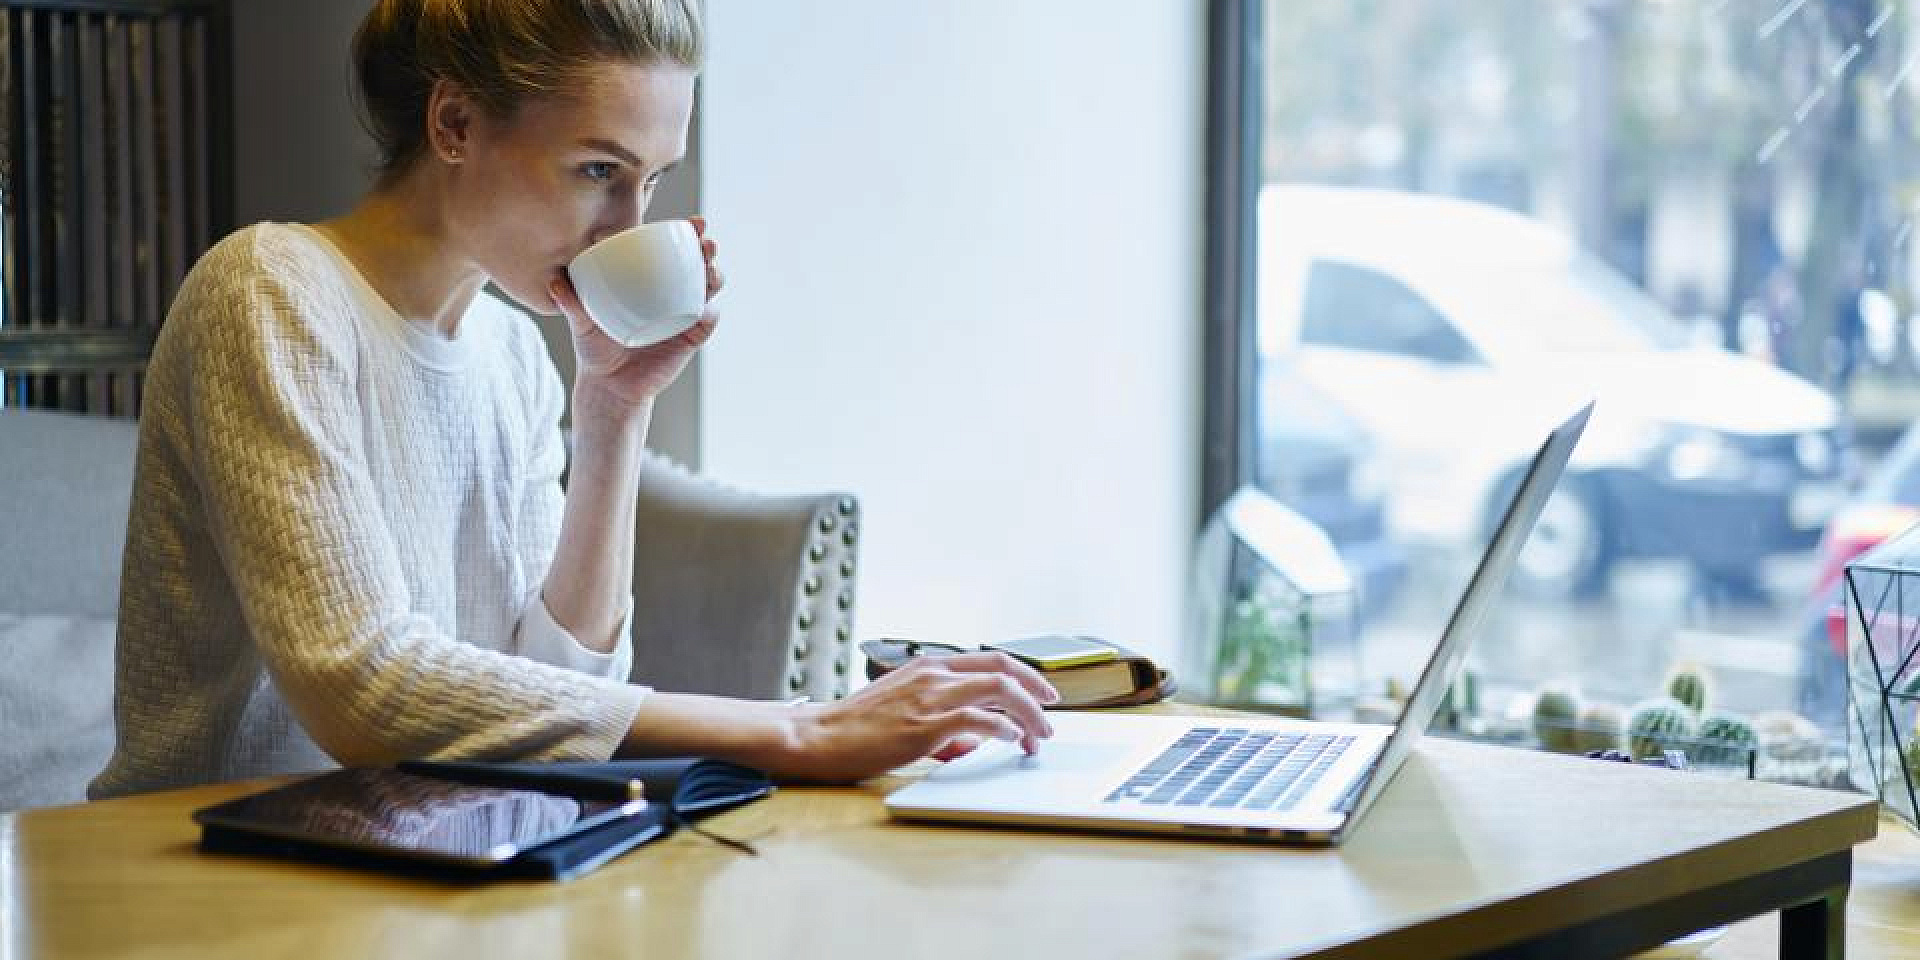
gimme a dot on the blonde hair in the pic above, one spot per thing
(501, 53)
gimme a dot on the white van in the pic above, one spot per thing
(1457, 332)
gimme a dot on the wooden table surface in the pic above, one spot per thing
(1471, 846)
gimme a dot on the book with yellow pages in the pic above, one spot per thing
(1087, 671)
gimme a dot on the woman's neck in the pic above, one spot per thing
(399, 241)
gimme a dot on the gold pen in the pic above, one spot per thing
(595, 788)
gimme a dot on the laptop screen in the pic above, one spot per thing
(1485, 586)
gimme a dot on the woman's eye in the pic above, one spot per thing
(598, 170)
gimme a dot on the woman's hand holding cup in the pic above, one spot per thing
(638, 305)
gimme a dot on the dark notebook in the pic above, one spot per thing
(406, 821)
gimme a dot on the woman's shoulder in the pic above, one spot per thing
(272, 251)
(276, 272)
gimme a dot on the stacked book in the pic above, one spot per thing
(1086, 671)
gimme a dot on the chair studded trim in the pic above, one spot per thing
(820, 655)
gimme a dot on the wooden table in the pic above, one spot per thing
(1883, 914)
(1472, 850)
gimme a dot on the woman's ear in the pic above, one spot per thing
(450, 121)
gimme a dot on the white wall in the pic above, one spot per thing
(963, 247)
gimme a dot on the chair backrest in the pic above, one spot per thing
(64, 483)
(742, 594)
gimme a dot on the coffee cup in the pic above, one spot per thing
(645, 284)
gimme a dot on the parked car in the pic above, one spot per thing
(1887, 504)
(1455, 333)
(1316, 459)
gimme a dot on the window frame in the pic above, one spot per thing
(1235, 104)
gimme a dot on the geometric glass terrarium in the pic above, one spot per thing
(1271, 614)
(1883, 673)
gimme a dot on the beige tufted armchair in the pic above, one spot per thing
(735, 593)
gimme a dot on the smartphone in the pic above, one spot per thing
(1053, 651)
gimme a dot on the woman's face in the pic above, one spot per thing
(532, 190)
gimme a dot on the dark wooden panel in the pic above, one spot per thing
(118, 175)
(145, 8)
(145, 209)
(27, 245)
(77, 351)
(10, 163)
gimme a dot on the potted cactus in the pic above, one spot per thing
(1602, 726)
(1657, 725)
(1688, 684)
(1556, 716)
(1725, 740)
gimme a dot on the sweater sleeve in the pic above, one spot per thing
(277, 447)
(538, 635)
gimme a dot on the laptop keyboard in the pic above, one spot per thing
(1234, 769)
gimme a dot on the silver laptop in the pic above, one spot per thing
(1268, 778)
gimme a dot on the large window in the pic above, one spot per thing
(1467, 216)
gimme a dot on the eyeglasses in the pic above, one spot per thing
(891, 653)
(902, 648)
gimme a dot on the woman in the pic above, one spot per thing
(348, 540)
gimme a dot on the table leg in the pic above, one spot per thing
(1811, 897)
(1817, 929)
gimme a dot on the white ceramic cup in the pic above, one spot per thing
(645, 284)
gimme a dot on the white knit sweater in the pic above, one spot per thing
(339, 529)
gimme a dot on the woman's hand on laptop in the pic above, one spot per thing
(932, 706)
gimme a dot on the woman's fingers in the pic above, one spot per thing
(942, 695)
(1004, 693)
(982, 722)
(702, 330)
(934, 706)
(564, 297)
(997, 662)
(958, 747)
(710, 251)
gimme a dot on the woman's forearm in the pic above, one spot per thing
(757, 733)
(592, 573)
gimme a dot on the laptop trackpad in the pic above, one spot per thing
(1056, 756)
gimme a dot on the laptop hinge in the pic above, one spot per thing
(1346, 801)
